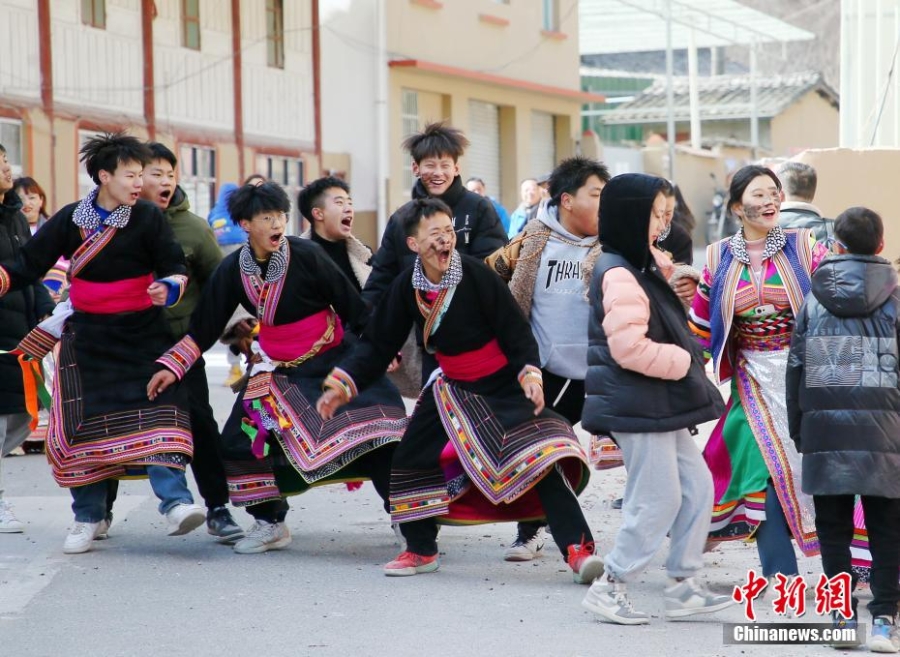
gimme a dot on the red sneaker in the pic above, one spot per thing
(586, 566)
(410, 563)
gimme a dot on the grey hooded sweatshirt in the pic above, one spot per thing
(560, 311)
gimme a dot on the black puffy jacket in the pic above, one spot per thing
(20, 311)
(478, 233)
(842, 379)
(618, 399)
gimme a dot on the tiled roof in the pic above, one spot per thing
(721, 98)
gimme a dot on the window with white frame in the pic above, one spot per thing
(409, 125)
(11, 138)
(197, 177)
(289, 172)
(85, 183)
(551, 15)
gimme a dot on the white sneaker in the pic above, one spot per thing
(184, 518)
(609, 600)
(264, 536)
(527, 545)
(9, 524)
(80, 537)
(689, 597)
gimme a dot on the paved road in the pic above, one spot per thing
(144, 593)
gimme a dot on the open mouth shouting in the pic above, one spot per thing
(165, 196)
(275, 240)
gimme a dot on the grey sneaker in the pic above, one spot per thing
(264, 536)
(528, 544)
(689, 597)
(9, 524)
(884, 635)
(220, 524)
(609, 600)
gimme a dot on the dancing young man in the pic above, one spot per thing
(480, 446)
(125, 268)
(274, 444)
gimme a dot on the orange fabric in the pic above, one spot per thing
(29, 380)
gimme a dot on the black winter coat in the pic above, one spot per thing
(842, 379)
(20, 311)
(478, 234)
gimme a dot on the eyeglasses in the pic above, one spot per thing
(272, 218)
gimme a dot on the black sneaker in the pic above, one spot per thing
(220, 524)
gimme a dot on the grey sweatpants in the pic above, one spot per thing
(669, 491)
(14, 429)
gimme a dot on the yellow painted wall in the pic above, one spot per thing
(849, 177)
(811, 122)
(455, 35)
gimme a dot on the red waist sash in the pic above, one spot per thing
(287, 342)
(128, 295)
(473, 365)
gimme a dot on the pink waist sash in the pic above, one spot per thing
(287, 342)
(128, 295)
(475, 364)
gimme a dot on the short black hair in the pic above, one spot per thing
(2, 148)
(860, 230)
(311, 196)
(799, 179)
(107, 151)
(423, 208)
(744, 176)
(436, 140)
(162, 152)
(254, 176)
(475, 179)
(571, 174)
(248, 201)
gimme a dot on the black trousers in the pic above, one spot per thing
(420, 450)
(566, 397)
(834, 525)
(375, 464)
(207, 462)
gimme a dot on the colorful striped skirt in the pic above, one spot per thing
(488, 452)
(750, 445)
(275, 443)
(101, 423)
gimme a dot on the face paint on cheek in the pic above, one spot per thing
(752, 212)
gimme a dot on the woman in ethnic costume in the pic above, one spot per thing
(477, 449)
(274, 443)
(125, 266)
(752, 287)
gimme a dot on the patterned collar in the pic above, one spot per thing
(450, 279)
(277, 262)
(775, 241)
(87, 217)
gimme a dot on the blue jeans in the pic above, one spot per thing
(773, 539)
(169, 485)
